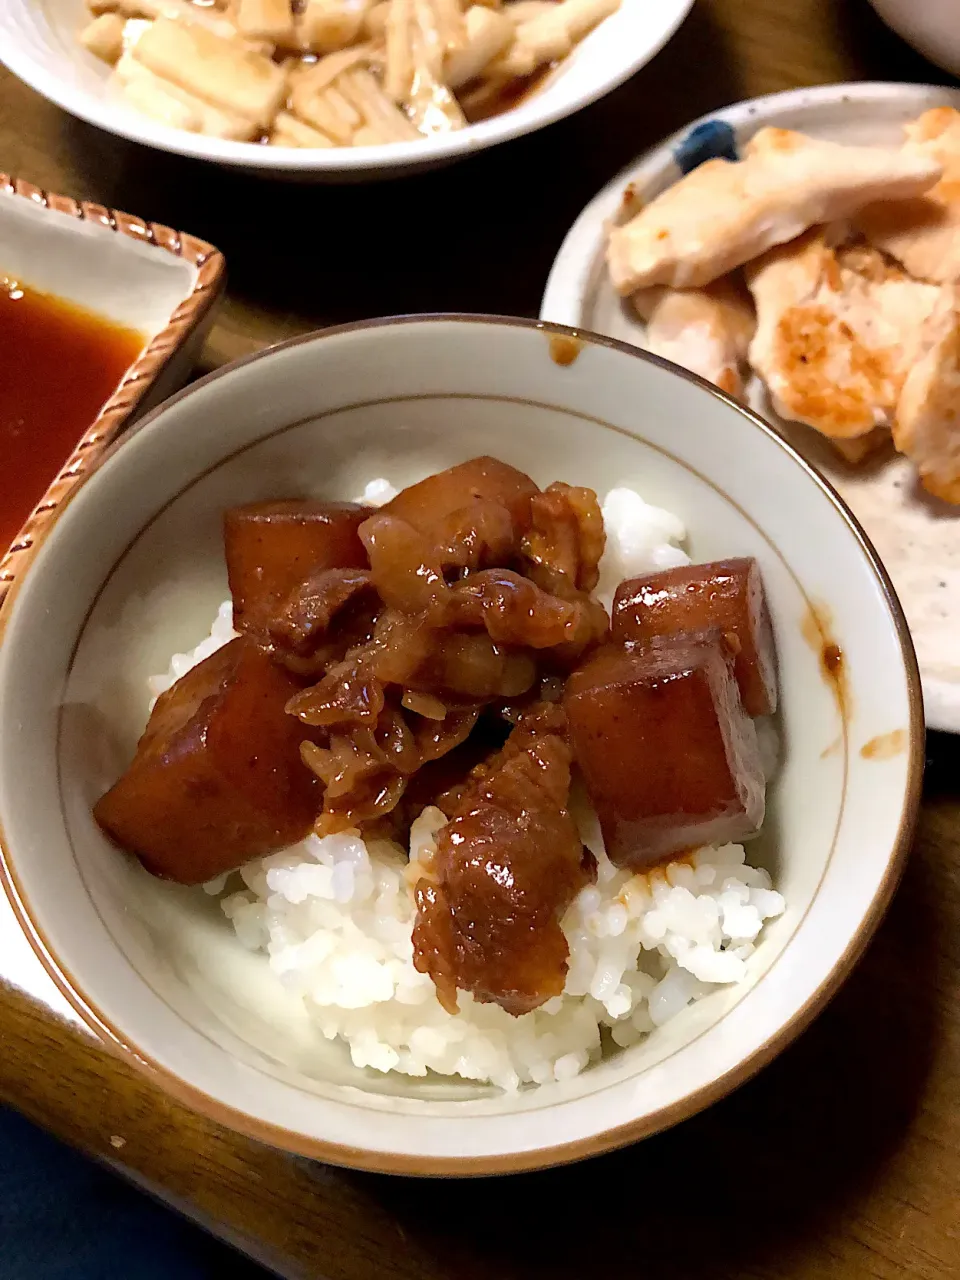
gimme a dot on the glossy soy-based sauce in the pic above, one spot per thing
(507, 97)
(59, 364)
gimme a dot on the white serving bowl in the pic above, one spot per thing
(133, 571)
(931, 26)
(38, 43)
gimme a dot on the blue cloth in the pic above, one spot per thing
(63, 1217)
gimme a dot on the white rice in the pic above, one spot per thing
(220, 634)
(334, 916)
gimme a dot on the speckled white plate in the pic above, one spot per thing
(917, 536)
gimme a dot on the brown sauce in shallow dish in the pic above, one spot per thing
(59, 364)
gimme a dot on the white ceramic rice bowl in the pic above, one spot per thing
(155, 969)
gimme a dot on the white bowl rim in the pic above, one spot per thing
(612, 1138)
(577, 255)
(521, 120)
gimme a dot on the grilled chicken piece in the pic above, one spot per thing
(924, 233)
(838, 328)
(722, 215)
(705, 330)
(218, 71)
(857, 449)
(927, 427)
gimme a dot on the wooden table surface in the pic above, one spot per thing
(843, 1158)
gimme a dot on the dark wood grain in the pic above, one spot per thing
(843, 1158)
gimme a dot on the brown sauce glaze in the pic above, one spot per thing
(885, 745)
(564, 348)
(817, 629)
(484, 101)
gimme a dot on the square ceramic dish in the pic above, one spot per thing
(917, 536)
(138, 274)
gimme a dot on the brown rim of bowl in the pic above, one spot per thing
(115, 414)
(609, 1139)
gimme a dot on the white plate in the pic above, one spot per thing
(917, 537)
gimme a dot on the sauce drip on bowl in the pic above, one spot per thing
(59, 364)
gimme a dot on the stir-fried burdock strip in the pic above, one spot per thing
(506, 868)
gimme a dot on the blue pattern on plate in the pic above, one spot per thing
(712, 140)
